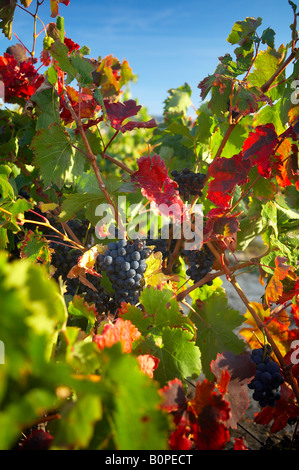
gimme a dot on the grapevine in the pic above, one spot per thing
(115, 336)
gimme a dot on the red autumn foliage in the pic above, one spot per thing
(201, 421)
(122, 331)
(157, 186)
(118, 112)
(21, 80)
(37, 440)
(278, 416)
(148, 364)
(227, 173)
(55, 7)
(259, 146)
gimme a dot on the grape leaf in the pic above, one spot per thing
(177, 353)
(241, 371)
(227, 173)
(265, 65)
(138, 421)
(48, 105)
(243, 31)
(55, 8)
(268, 37)
(259, 146)
(215, 329)
(76, 427)
(55, 156)
(60, 52)
(178, 101)
(35, 247)
(118, 112)
(157, 186)
(7, 10)
(122, 331)
(78, 309)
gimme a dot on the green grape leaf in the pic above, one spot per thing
(138, 421)
(268, 37)
(178, 355)
(55, 156)
(215, 324)
(35, 248)
(269, 216)
(48, 105)
(178, 101)
(7, 10)
(163, 310)
(59, 52)
(243, 31)
(182, 130)
(265, 65)
(78, 309)
(88, 197)
(76, 426)
(5, 187)
(84, 68)
(166, 334)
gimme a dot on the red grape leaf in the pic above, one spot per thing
(20, 80)
(55, 8)
(37, 440)
(227, 173)
(285, 409)
(122, 331)
(157, 186)
(222, 228)
(84, 105)
(280, 163)
(259, 146)
(118, 112)
(179, 439)
(239, 444)
(211, 413)
(173, 395)
(240, 370)
(275, 289)
(148, 364)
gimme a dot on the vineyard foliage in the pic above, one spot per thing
(81, 366)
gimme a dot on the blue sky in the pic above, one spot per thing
(167, 43)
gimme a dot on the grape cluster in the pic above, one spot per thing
(125, 265)
(65, 257)
(200, 263)
(190, 183)
(267, 380)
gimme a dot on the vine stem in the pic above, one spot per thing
(92, 159)
(261, 325)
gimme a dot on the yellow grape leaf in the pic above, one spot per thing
(85, 265)
(274, 288)
(277, 326)
(154, 275)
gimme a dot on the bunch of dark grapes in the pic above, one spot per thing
(200, 263)
(65, 257)
(125, 265)
(268, 378)
(190, 183)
